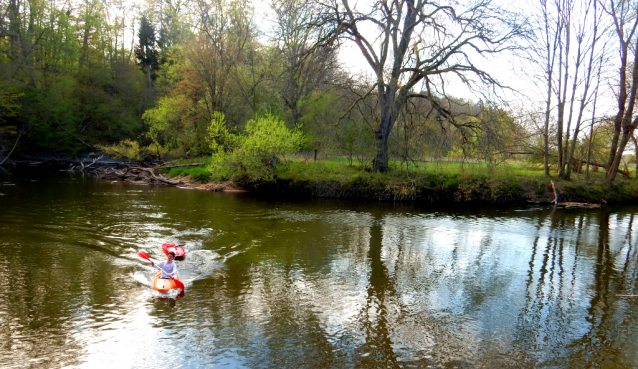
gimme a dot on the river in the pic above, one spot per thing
(314, 283)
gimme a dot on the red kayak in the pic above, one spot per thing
(180, 254)
(164, 285)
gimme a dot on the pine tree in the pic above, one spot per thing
(146, 52)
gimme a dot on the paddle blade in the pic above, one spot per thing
(143, 255)
(179, 284)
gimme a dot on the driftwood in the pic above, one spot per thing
(81, 167)
(10, 152)
(160, 178)
(570, 205)
(135, 174)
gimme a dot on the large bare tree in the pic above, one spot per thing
(304, 68)
(624, 15)
(414, 46)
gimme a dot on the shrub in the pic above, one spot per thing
(127, 149)
(253, 154)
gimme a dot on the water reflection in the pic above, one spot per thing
(313, 283)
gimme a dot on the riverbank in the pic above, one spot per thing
(469, 184)
(431, 182)
(467, 188)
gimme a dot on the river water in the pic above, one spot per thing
(274, 283)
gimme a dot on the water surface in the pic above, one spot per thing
(308, 283)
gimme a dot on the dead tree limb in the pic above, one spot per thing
(10, 152)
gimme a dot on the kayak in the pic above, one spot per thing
(180, 254)
(164, 285)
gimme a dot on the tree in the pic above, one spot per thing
(413, 45)
(305, 69)
(625, 20)
(545, 45)
(146, 51)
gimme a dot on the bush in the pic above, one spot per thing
(127, 149)
(253, 154)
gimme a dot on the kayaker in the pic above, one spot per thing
(169, 269)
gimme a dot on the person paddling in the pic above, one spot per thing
(169, 269)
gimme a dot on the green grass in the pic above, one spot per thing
(458, 181)
(199, 173)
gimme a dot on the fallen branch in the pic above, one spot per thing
(14, 147)
(626, 295)
(152, 173)
(570, 205)
(81, 169)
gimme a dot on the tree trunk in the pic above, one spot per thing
(561, 104)
(148, 73)
(14, 29)
(591, 130)
(613, 170)
(382, 131)
(548, 108)
(627, 127)
(380, 163)
(622, 100)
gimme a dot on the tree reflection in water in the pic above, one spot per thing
(311, 283)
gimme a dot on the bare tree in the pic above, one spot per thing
(225, 39)
(545, 45)
(593, 119)
(566, 47)
(625, 20)
(305, 68)
(412, 46)
(587, 41)
(565, 9)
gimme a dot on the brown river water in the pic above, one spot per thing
(315, 283)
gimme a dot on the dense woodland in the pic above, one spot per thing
(188, 78)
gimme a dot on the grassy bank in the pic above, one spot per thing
(426, 181)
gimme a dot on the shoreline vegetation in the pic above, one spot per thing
(433, 181)
(266, 103)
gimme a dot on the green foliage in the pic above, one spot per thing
(197, 173)
(52, 121)
(173, 130)
(67, 83)
(126, 149)
(355, 141)
(250, 154)
(441, 180)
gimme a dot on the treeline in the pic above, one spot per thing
(158, 79)
(67, 81)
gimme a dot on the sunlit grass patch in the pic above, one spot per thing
(196, 168)
(453, 180)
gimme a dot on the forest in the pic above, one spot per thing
(244, 83)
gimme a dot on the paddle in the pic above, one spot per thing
(144, 255)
